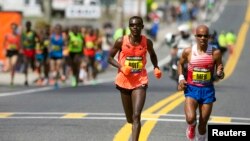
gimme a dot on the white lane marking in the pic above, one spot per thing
(221, 9)
(59, 114)
(26, 91)
(218, 13)
(121, 118)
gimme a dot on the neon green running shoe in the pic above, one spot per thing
(73, 81)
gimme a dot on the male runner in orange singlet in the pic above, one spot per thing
(132, 77)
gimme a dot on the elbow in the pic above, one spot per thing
(110, 60)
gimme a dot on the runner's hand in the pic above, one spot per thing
(126, 70)
(182, 85)
(157, 73)
(220, 72)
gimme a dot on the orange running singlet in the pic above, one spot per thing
(134, 56)
(13, 42)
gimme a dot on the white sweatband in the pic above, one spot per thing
(181, 77)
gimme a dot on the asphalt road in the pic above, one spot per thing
(94, 112)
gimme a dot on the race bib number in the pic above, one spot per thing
(46, 43)
(55, 48)
(38, 49)
(135, 63)
(90, 45)
(26, 43)
(201, 75)
(12, 47)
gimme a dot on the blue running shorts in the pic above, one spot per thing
(203, 95)
(40, 57)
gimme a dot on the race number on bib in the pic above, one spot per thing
(201, 75)
(12, 47)
(135, 63)
(55, 48)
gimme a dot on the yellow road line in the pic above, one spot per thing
(74, 115)
(220, 119)
(247, 17)
(161, 103)
(233, 58)
(149, 125)
(5, 115)
(124, 133)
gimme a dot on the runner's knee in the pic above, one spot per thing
(190, 119)
(137, 117)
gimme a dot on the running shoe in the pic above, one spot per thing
(73, 81)
(56, 86)
(201, 137)
(26, 83)
(190, 132)
(39, 82)
(63, 78)
(51, 82)
(45, 82)
(11, 83)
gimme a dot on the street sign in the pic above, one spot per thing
(83, 11)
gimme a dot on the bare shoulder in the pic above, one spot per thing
(119, 40)
(216, 54)
(187, 51)
(149, 42)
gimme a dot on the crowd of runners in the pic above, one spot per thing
(56, 53)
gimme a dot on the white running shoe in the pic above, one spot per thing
(201, 137)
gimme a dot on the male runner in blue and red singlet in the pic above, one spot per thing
(198, 87)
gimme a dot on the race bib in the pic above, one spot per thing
(12, 47)
(135, 63)
(38, 49)
(55, 48)
(26, 43)
(201, 75)
(46, 43)
(90, 44)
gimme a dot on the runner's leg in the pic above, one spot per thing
(138, 100)
(127, 105)
(205, 111)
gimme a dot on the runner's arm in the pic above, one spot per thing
(218, 62)
(117, 47)
(151, 51)
(182, 61)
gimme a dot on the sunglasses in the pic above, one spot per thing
(132, 25)
(200, 35)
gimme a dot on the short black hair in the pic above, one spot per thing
(28, 23)
(136, 17)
